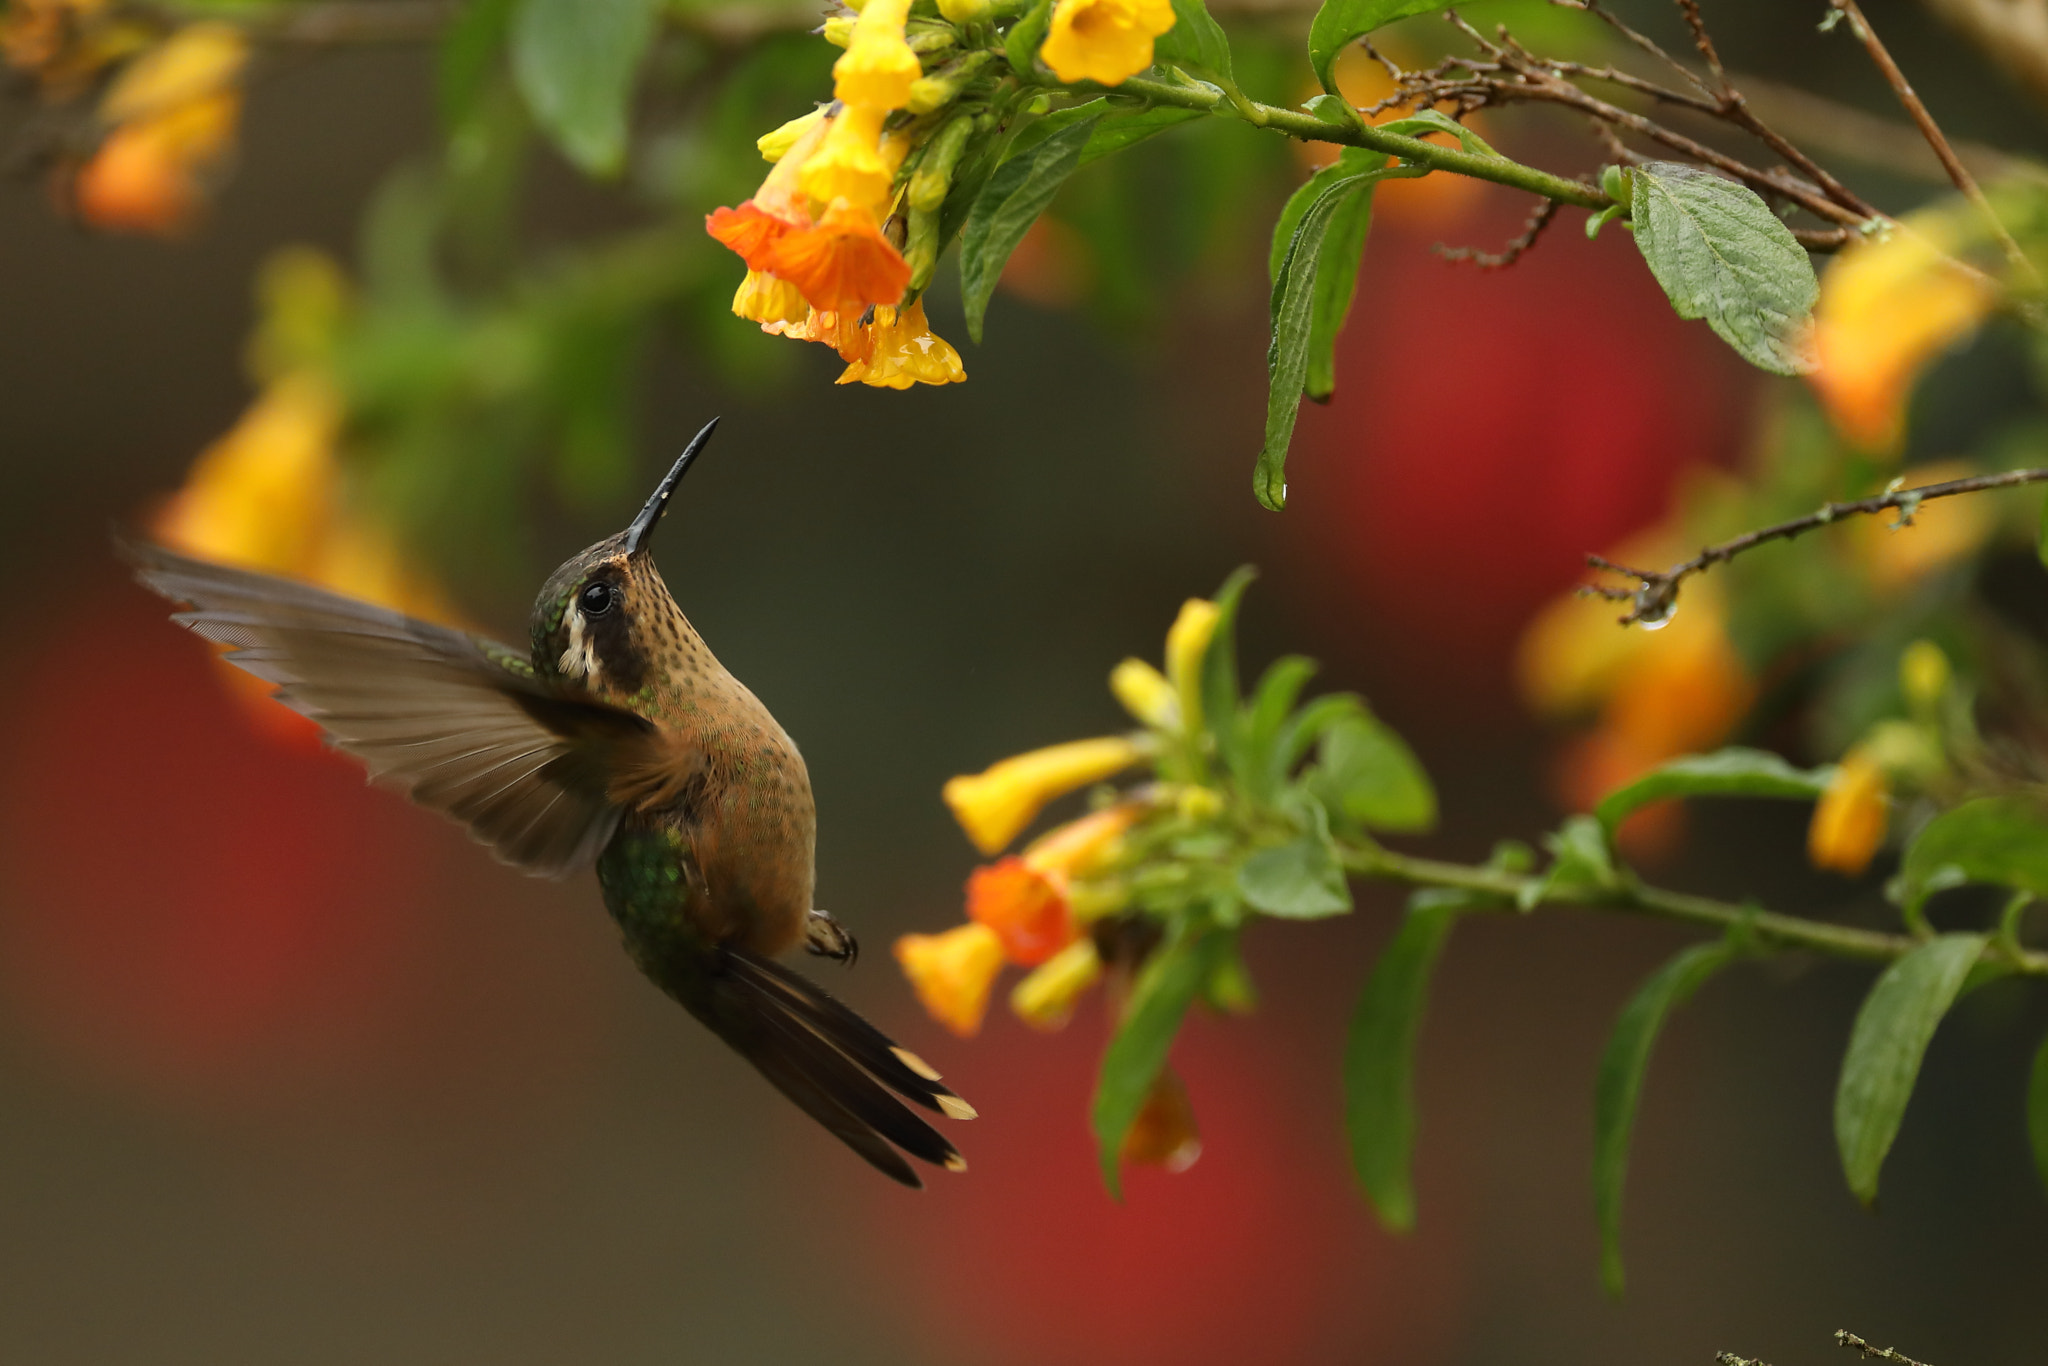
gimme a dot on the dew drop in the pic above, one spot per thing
(1655, 606)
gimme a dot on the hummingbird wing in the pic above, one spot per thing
(837, 1067)
(457, 722)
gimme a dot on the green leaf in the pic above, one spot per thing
(1620, 1085)
(1340, 21)
(2037, 1112)
(1300, 732)
(469, 51)
(1367, 774)
(1008, 205)
(575, 62)
(1302, 880)
(1343, 250)
(1294, 316)
(1196, 41)
(1890, 1037)
(1580, 863)
(1436, 121)
(1731, 772)
(1379, 1062)
(2002, 840)
(1219, 669)
(1160, 997)
(1263, 719)
(1722, 255)
(1021, 44)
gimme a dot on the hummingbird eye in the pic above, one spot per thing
(596, 599)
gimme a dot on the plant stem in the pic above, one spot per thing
(1631, 897)
(1310, 128)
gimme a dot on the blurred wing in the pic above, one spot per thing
(457, 723)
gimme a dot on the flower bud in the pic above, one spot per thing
(934, 174)
(838, 30)
(943, 86)
(964, 11)
(1145, 693)
(775, 144)
(1045, 998)
(1923, 675)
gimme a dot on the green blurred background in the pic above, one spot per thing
(290, 1071)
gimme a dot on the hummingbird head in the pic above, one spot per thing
(605, 617)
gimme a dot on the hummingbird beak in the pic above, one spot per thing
(657, 502)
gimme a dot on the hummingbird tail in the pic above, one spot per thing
(838, 1068)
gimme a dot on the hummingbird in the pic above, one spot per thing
(616, 741)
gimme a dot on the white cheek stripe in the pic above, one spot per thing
(580, 659)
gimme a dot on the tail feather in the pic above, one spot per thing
(839, 1069)
(901, 1070)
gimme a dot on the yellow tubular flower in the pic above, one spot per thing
(769, 299)
(849, 164)
(994, 806)
(1187, 644)
(1045, 998)
(193, 63)
(952, 973)
(1145, 693)
(905, 352)
(775, 144)
(1849, 820)
(1081, 847)
(878, 66)
(263, 492)
(1104, 40)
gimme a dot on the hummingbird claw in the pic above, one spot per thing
(827, 938)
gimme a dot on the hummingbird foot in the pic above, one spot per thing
(827, 938)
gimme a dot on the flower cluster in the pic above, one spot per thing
(843, 235)
(163, 130)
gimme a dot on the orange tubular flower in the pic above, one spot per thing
(952, 973)
(1026, 909)
(902, 351)
(843, 263)
(778, 208)
(1104, 40)
(1849, 820)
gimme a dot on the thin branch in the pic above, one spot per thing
(1508, 255)
(1656, 595)
(1845, 1338)
(1514, 893)
(1910, 98)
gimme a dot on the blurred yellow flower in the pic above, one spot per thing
(877, 68)
(1046, 996)
(952, 973)
(197, 61)
(1886, 309)
(263, 494)
(994, 806)
(1187, 645)
(1107, 41)
(150, 175)
(1145, 693)
(1849, 820)
(1924, 675)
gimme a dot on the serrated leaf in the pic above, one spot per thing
(1160, 997)
(1293, 332)
(1006, 208)
(1892, 1031)
(575, 63)
(1731, 772)
(1620, 1085)
(1302, 880)
(2037, 1112)
(1196, 41)
(1340, 21)
(1722, 255)
(1367, 774)
(2001, 840)
(469, 50)
(1379, 1062)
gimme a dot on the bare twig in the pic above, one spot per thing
(1656, 594)
(1910, 98)
(1539, 219)
(1730, 1359)
(1845, 1338)
(1871, 139)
